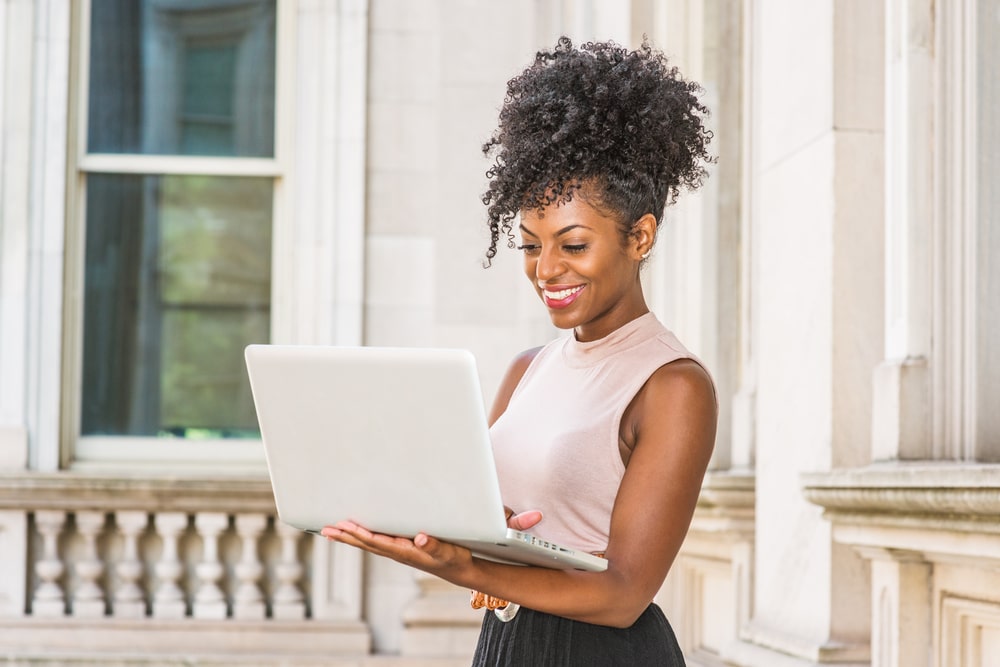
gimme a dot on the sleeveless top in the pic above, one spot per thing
(556, 444)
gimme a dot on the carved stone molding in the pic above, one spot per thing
(726, 505)
(75, 491)
(938, 512)
(729, 490)
(958, 493)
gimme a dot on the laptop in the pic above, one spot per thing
(394, 439)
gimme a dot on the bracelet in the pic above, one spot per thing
(504, 609)
(480, 600)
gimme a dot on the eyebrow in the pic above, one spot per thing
(567, 228)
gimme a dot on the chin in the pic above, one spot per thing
(563, 321)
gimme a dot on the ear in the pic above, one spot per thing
(643, 236)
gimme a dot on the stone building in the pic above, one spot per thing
(181, 177)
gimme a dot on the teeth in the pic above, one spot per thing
(562, 294)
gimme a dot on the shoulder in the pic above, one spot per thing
(683, 376)
(680, 388)
(523, 360)
(515, 371)
(677, 401)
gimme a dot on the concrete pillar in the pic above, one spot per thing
(815, 214)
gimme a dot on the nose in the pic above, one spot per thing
(548, 265)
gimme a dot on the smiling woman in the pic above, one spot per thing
(601, 437)
(581, 267)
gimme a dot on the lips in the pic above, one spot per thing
(559, 296)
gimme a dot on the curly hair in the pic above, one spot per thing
(623, 125)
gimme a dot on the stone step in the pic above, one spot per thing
(138, 660)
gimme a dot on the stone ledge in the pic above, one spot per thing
(954, 493)
(779, 642)
(927, 511)
(748, 654)
(71, 491)
(728, 489)
(118, 639)
(195, 660)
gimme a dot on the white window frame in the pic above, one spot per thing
(317, 241)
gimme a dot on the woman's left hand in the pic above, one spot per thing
(422, 552)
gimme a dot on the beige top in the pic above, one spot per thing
(556, 445)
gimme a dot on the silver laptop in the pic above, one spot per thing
(395, 439)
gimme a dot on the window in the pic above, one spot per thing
(177, 172)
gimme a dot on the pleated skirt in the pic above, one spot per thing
(536, 639)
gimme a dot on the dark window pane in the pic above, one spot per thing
(175, 77)
(177, 283)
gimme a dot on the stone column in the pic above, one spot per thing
(288, 602)
(128, 599)
(169, 600)
(902, 628)
(49, 599)
(809, 147)
(209, 600)
(901, 402)
(89, 599)
(248, 601)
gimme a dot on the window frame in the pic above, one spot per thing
(102, 452)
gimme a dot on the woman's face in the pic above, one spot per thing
(586, 274)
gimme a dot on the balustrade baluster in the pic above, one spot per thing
(169, 600)
(210, 601)
(288, 600)
(129, 600)
(49, 599)
(248, 602)
(88, 598)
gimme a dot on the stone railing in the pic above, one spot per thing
(91, 563)
(105, 556)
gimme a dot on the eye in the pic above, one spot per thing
(529, 249)
(574, 249)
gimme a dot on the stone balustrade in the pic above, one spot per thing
(129, 563)
(202, 565)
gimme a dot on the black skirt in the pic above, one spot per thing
(536, 639)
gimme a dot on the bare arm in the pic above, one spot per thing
(673, 421)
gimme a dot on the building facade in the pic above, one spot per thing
(179, 178)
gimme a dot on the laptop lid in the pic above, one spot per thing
(395, 439)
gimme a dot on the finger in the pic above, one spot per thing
(351, 533)
(525, 520)
(354, 529)
(348, 539)
(431, 546)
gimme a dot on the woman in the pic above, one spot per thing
(601, 437)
